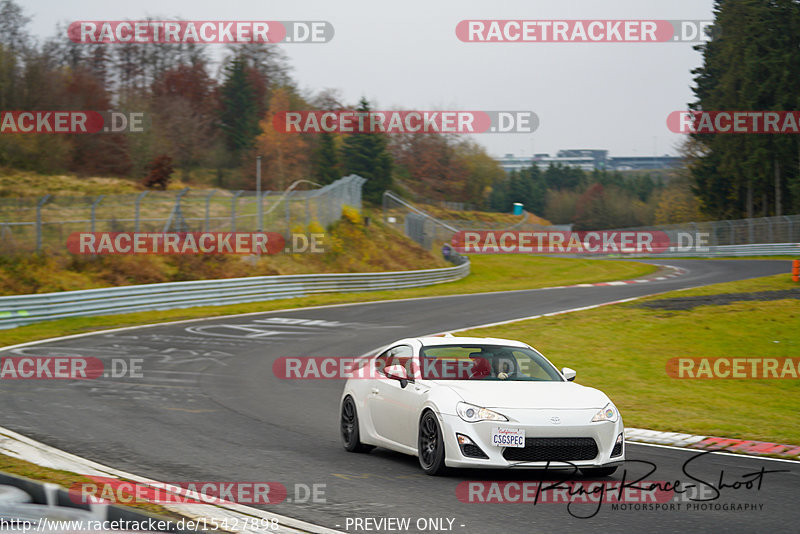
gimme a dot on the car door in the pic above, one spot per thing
(391, 405)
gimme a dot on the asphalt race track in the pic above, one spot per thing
(208, 408)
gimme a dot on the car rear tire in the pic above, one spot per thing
(351, 439)
(430, 445)
(599, 471)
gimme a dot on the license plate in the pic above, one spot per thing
(508, 437)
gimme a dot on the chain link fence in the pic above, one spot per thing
(425, 230)
(429, 231)
(31, 224)
(762, 230)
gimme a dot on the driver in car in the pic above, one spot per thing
(503, 366)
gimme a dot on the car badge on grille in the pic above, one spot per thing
(555, 420)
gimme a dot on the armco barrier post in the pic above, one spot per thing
(796, 271)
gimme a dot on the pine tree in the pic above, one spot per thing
(753, 64)
(326, 166)
(365, 154)
(239, 113)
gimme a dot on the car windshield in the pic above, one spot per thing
(485, 362)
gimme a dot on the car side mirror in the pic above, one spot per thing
(397, 372)
(568, 373)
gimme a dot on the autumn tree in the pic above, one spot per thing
(185, 110)
(428, 165)
(160, 173)
(285, 154)
(481, 171)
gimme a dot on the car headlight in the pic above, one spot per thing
(472, 414)
(609, 413)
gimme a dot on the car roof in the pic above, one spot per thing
(454, 340)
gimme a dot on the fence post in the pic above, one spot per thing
(233, 210)
(288, 200)
(789, 220)
(260, 208)
(176, 214)
(94, 207)
(39, 221)
(138, 202)
(360, 191)
(208, 207)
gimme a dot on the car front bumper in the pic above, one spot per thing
(537, 424)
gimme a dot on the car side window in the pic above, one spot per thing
(402, 354)
(399, 355)
(381, 362)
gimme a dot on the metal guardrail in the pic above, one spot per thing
(30, 505)
(763, 249)
(19, 310)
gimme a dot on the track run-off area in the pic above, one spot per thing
(207, 406)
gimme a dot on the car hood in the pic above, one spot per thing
(534, 395)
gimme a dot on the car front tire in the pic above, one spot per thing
(351, 439)
(430, 445)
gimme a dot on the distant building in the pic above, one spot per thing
(510, 162)
(589, 160)
(644, 162)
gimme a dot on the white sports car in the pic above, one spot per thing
(479, 402)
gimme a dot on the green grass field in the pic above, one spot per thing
(623, 349)
(489, 273)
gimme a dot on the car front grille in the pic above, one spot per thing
(552, 449)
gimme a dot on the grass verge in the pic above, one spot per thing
(489, 273)
(350, 246)
(623, 350)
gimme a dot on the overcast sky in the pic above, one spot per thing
(613, 96)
